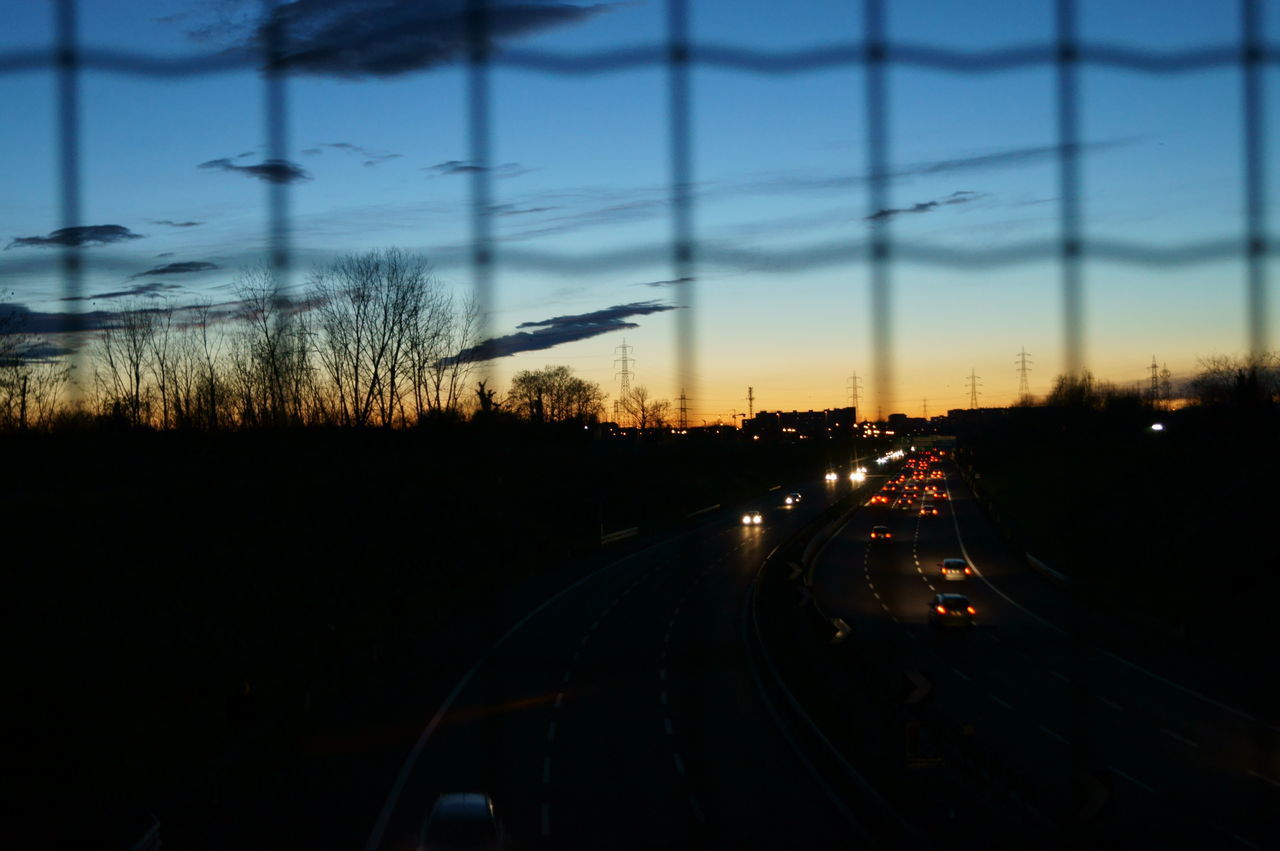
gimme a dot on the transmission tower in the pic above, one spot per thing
(1166, 384)
(924, 404)
(1024, 384)
(684, 410)
(751, 402)
(854, 388)
(974, 383)
(624, 377)
(1155, 381)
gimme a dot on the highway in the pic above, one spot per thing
(623, 712)
(1114, 750)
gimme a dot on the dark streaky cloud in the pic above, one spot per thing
(964, 196)
(383, 38)
(174, 224)
(152, 289)
(272, 171)
(183, 268)
(561, 329)
(449, 167)
(80, 235)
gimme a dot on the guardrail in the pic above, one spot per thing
(620, 535)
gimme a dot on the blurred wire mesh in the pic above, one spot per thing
(875, 53)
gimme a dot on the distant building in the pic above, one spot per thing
(801, 424)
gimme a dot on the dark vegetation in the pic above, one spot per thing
(1170, 530)
(184, 600)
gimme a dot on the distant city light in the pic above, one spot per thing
(1157, 426)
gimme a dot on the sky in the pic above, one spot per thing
(176, 179)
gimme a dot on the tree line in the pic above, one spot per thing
(373, 340)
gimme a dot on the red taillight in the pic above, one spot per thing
(942, 610)
(968, 571)
(972, 610)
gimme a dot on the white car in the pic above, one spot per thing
(462, 821)
(752, 518)
(831, 477)
(793, 498)
(955, 568)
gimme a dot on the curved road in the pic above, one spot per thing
(623, 713)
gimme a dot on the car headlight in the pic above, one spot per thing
(757, 520)
(746, 518)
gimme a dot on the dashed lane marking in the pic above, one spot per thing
(546, 819)
(1264, 778)
(546, 770)
(1051, 734)
(1176, 737)
(551, 732)
(667, 723)
(1117, 707)
(1135, 781)
(999, 701)
(559, 699)
(679, 763)
(961, 674)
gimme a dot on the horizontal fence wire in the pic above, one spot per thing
(875, 53)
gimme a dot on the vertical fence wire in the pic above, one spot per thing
(1255, 178)
(479, 167)
(679, 107)
(877, 118)
(275, 116)
(68, 93)
(1071, 250)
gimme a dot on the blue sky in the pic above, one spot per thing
(582, 168)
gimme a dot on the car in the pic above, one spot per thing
(880, 498)
(928, 509)
(880, 532)
(831, 477)
(793, 498)
(951, 610)
(955, 568)
(752, 518)
(940, 494)
(462, 821)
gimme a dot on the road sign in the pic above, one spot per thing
(923, 747)
(919, 687)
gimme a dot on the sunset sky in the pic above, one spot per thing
(378, 153)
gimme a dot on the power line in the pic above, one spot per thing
(974, 384)
(1024, 385)
(855, 390)
(624, 376)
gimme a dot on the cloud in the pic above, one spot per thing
(671, 283)
(513, 210)
(451, 167)
(561, 329)
(80, 235)
(244, 155)
(36, 351)
(312, 152)
(184, 268)
(20, 319)
(174, 224)
(371, 158)
(153, 289)
(380, 38)
(272, 171)
(963, 196)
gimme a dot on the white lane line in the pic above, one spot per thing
(546, 770)
(1264, 778)
(1061, 676)
(546, 819)
(559, 699)
(662, 674)
(679, 763)
(1135, 781)
(667, 723)
(1175, 736)
(551, 732)
(1051, 734)
(1245, 842)
(1123, 661)
(1117, 707)
(877, 593)
(999, 701)
(566, 677)
(662, 696)
(961, 674)
(697, 809)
